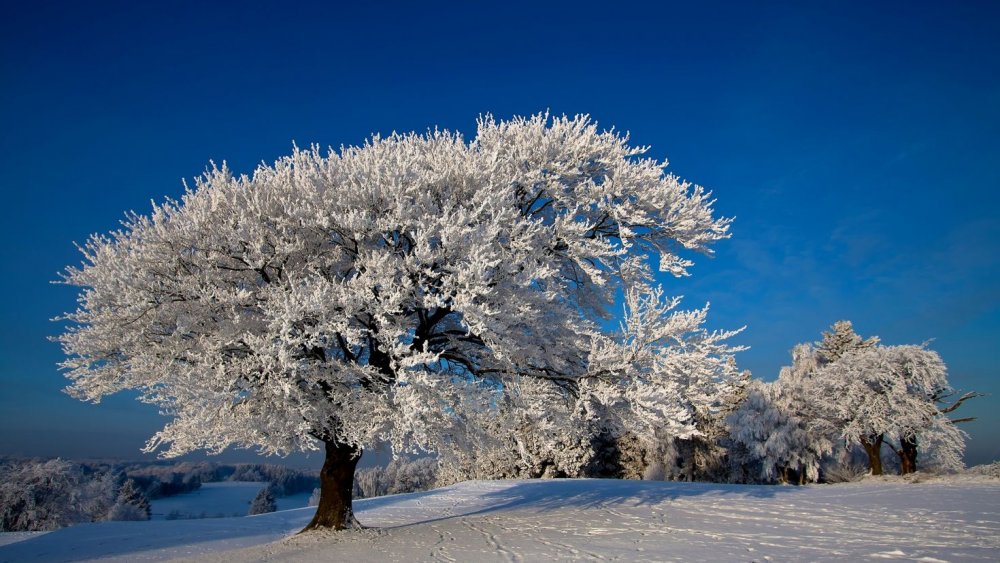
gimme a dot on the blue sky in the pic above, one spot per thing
(856, 144)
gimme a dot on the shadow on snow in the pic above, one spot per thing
(475, 498)
(553, 494)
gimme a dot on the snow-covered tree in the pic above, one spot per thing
(846, 392)
(314, 497)
(672, 351)
(801, 394)
(783, 429)
(263, 502)
(401, 475)
(131, 503)
(805, 362)
(772, 438)
(394, 292)
(41, 495)
(660, 377)
(887, 393)
(98, 493)
(841, 340)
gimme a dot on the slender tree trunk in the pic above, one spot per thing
(873, 447)
(336, 481)
(907, 455)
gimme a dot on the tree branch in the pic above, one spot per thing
(962, 399)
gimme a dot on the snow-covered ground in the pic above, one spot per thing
(12, 537)
(217, 500)
(582, 519)
(211, 500)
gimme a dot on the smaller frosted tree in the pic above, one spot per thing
(769, 436)
(657, 379)
(850, 389)
(887, 394)
(664, 377)
(131, 504)
(840, 340)
(264, 502)
(99, 494)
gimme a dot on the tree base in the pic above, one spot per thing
(336, 481)
(907, 455)
(873, 447)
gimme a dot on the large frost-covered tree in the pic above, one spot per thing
(394, 292)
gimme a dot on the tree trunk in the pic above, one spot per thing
(873, 447)
(907, 455)
(336, 481)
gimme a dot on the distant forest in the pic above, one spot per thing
(37, 494)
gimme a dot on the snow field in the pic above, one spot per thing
(211, 500)
(581, 520)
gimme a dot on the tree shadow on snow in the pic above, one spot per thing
(553, 494)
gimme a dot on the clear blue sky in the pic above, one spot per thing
(856, 143)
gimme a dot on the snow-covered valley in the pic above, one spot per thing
(217, 500)
(582, 519)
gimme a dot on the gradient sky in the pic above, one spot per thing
(856, 143)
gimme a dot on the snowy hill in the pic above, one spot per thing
(581, 519)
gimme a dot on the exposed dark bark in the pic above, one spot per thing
(605, 458)
(791, 476)
(961, 420)
(380, 360)
(907, 455)
(957, 403)
(873, 447)
(336, 479)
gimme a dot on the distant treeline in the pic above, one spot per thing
(172, 478)
(39, 494)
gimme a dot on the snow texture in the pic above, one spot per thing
(211, 500)
(943, 520)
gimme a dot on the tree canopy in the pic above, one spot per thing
(844, 392)
(393, 291)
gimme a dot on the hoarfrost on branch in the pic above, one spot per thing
(403, 290)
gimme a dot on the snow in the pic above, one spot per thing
(12, 537)
(582, 519)
(217, 500)
(298, 500)
(211, 500)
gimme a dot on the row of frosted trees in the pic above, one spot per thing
(842, 398)
(843, 405)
